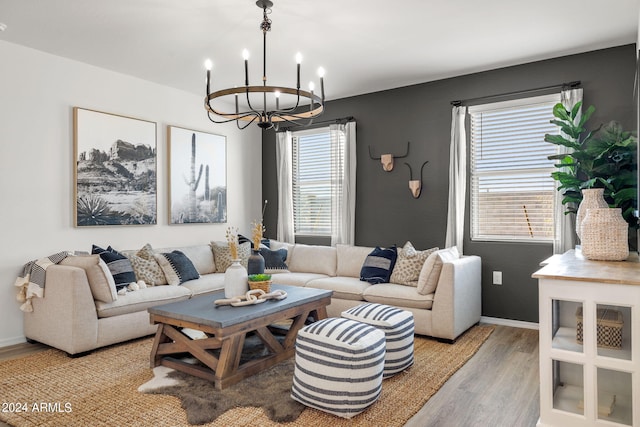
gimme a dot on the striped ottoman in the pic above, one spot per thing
(397, 326)
(339, 365)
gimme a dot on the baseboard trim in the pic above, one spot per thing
(12, 341)
(509, 322)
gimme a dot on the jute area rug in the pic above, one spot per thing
(101, 389)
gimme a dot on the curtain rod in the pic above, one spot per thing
(324, 122)
(571, 85)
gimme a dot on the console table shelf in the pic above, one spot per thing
(586, 384)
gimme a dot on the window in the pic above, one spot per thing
(317, 171)
(512, 192)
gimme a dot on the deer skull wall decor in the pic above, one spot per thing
(415, 185)
(387, 159)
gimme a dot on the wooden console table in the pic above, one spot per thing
(226, 328)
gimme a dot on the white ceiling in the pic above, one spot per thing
(365, 46)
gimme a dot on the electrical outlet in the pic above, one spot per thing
(497, 277)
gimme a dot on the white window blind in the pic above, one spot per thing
(317, 168)
(512, 192)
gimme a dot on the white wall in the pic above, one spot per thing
(37, 94)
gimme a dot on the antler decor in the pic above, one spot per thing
(387, 159)
(415, 185)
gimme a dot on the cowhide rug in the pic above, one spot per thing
(269, 390)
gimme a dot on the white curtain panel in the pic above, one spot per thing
(344, 176)
(457, 179)
(565, 236)
(285, 229)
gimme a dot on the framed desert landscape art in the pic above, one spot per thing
(115, 169)
(197, 176)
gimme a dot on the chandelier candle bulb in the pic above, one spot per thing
(245, 55)
(298, 62)
(321, 74)
(277, 95)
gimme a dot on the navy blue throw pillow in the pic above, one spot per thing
(119, 265)
(378, 265)
(274, 259)
(177, 267)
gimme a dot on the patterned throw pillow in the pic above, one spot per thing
(378, 265)
(222, 255)
(177, 267)
(119, 265)
(146, 267)
(409, 264)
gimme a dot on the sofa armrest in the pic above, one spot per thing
(65, 317)
(457, 304)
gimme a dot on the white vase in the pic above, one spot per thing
(235, 280)
(591, 198)
(605, 235)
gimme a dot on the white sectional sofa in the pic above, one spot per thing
(70, 318)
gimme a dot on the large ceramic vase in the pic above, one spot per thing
(591, 198)
(255, 265)
(605, 235)
(235, 280)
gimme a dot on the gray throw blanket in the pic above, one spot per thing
(31, 281)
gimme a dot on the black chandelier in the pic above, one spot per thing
(301, 106)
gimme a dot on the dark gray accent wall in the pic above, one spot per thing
(387, 214)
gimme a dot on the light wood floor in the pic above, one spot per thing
(498, 387)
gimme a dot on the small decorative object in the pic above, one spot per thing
(235, 280)
(591, 198)
(609, 327)
(605, 235)
(387, 159)
(260, 281)
(256, 261)
(252, 297)
(235, 277)
(415, 185)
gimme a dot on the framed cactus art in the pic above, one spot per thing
(114, 169)
(197, 176)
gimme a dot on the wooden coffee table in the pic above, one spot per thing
(226, 328)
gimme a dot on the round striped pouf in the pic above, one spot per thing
(339, 366)
(397, 325)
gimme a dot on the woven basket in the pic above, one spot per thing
(609, 325)
(264, 285)
(605, 235)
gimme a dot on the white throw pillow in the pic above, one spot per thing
(430, 273)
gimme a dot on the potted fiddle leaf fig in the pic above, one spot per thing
(605, 158)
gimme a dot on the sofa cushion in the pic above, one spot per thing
(119, 265)
(313, 259)
(206, 283)
(103, 287)
(177, 267)
(350, 259)
(430, 273)
(378, 265)
(295, 279)
(398, 295)
(409, 264)
(350, 288)
(223, 258)
(142, 299)
(274, 259)
(146, 267)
